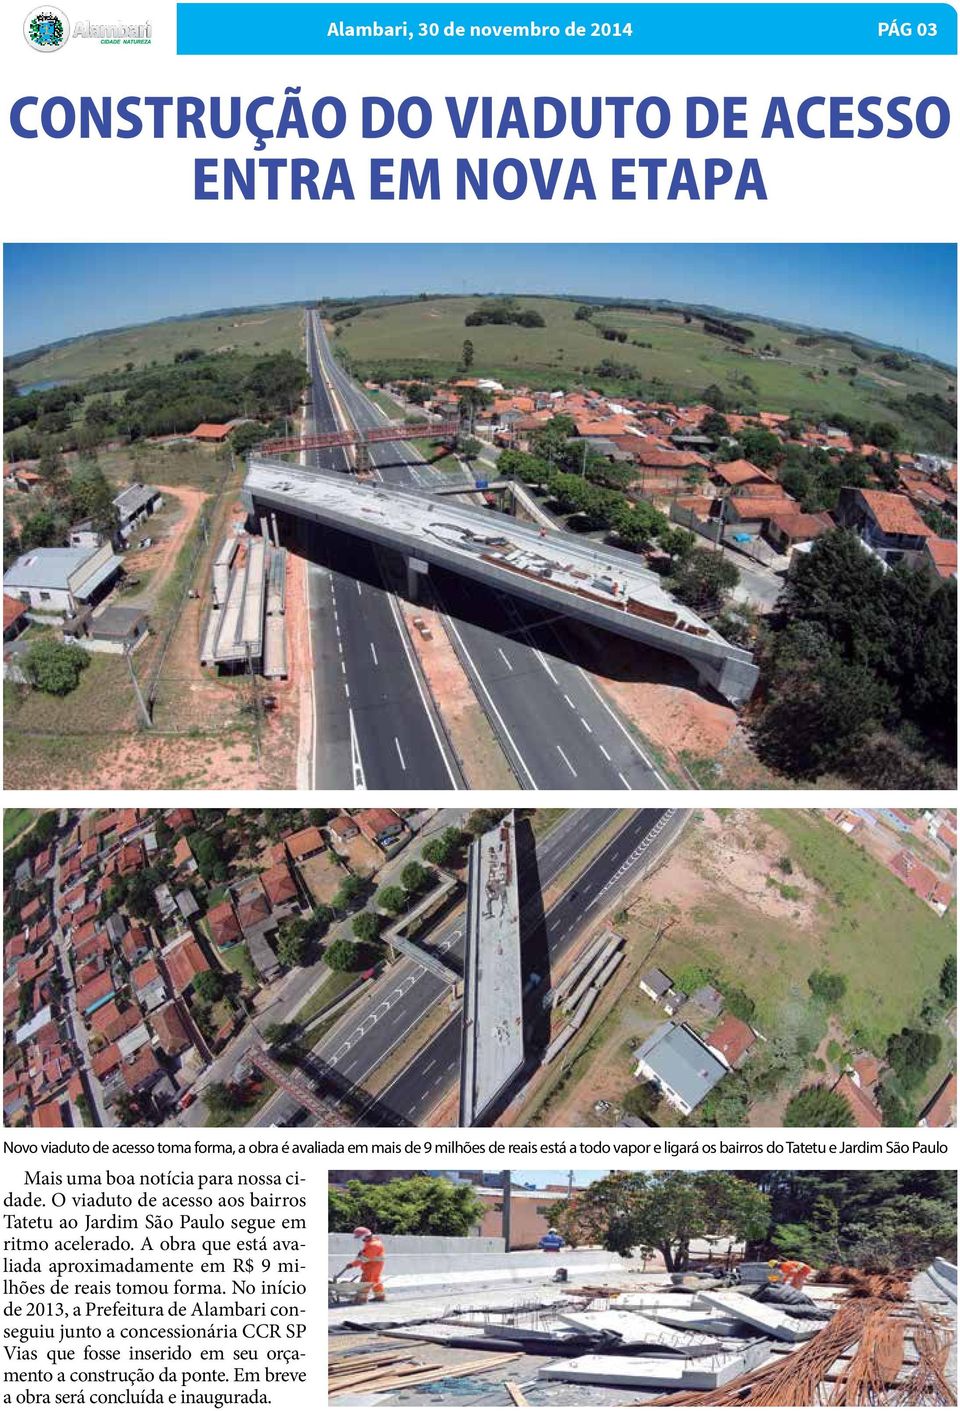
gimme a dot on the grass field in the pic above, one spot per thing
(681, 362)
(15, 821)
(865, 925)
(267, 330)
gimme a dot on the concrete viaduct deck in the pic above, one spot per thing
(492, 1042)
(594, 583)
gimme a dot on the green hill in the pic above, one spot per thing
(667, 355)
(268, 329)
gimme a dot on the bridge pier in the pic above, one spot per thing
(416, 570)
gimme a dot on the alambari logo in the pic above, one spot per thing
(46, 30)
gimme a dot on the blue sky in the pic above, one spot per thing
(900, 294)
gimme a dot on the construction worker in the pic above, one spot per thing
(370, 1263)
(792, 1271)
(551, 1242)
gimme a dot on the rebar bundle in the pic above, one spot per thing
(795, 1379)
(927, 1384)
(876, 1364)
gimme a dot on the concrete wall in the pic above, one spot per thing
(416, 1270)
(944, 1275)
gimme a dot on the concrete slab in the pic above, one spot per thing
(676, 1374)
(632, 1327)
(765, 1316)
(698, 1320)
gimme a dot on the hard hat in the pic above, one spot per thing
(551, 1231)
(362, 1233)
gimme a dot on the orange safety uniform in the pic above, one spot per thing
(370, 1264)
(794, 1271)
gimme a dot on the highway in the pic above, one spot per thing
(374, 724)
(417, 1090)
(357, 1046)
(552, 722)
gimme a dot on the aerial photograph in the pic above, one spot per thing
(642, 1287)
(439, 967)
(470, 517)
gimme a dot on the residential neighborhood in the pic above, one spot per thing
(657, 967)
(501, 540)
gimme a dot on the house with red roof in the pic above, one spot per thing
(169, 1028)
(731, 1040)
(380, 825)
(306, 843)
(729, 475)
(14, 617)
(223, 925)
(212, 432)
(865, 1111)
(184, 962)
(887, 524)
(280, 886)
(941, 1110)
(939, 558)
(91, 996)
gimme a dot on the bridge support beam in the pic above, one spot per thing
(417, 569)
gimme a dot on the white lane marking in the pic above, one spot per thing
(400, 753)
(343, 665)
(452, 627)
(373, 653)
(566, 762)
(506, 660)
(626, 782)
(569, 701)
(359, 589)
(420, 691)
(613, 716)
(359, 778)
(585, 726)
(603, 751)
(546, 665)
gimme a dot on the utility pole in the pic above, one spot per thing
(255, 701)
(506, 1185)
(144, 711)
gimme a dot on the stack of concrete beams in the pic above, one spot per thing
(245, 626)
(274, 629)
(579, 989)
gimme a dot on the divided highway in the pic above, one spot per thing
(358, 1045)
(554, 725)
(374, 724)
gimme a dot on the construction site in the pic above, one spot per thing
(245, 629)
(612, 1336)
(476, 1321)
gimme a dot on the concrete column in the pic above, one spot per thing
(416, 568)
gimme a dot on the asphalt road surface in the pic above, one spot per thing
(356, 1047)
(554, 725)
(375, 726)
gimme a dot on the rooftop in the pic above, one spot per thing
(46, 568)
(682, 1062)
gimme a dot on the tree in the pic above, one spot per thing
(760, 447)
(467, 354)
(664, 1211)
(223, 1101)
(414, 878)
(210, 985)
(293, 943)
(210, 860)
(416, 1205)
(948, 979)
(342, 954)
(818, 1106)
(481, 820)
(392, 900)
(443, 849)
(704, 579)
(911, 1054)
(828, 988)
(54, 667)
(715, 424)
(349, 892)
(366, 926)
(676, 542)
(637, 524)
(642, 1100)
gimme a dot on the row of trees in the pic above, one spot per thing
(858, 671)
(155, 401)
(872, 1219)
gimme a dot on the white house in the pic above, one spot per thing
(61, 580)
